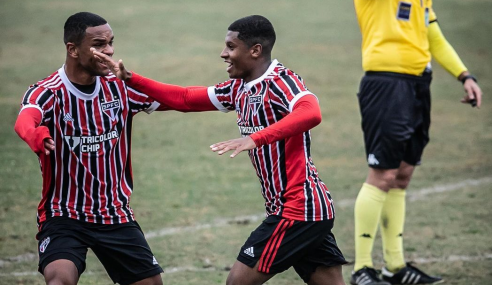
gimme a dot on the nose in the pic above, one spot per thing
(109, 50)
(224, 53)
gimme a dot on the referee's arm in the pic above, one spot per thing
(447, 57)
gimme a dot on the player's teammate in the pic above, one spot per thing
(398, 38)
(78, 121)
(275, 112)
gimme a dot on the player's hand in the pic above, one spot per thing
(237, 145)
(117, 68)
(49, 145)
(473, 93)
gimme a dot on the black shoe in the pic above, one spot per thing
(366, 276)
(409, 275)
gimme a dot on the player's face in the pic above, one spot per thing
(238, 57)
(100, 38)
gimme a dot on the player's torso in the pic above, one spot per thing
(89, 175)
(394, 34)
(90, 126)
(254, 109)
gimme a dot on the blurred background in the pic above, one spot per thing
(198, 208)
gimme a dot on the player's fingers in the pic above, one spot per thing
(121, 65)
(236, 152)
(225, 149)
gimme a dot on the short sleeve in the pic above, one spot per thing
(223, 95)
(39, 98)
(287, 88)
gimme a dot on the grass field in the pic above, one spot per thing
(186, 197)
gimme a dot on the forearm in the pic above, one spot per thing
(28, 129)
(305, 115)
(443, 52)
(185, 99)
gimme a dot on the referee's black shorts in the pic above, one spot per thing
(279, 243)
(395, 110)
(121, 248)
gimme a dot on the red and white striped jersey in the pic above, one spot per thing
(88, 176)
(289, 180)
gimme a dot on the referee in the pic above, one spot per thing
(398, 39)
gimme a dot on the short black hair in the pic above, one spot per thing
(255, 29)
(75, 26)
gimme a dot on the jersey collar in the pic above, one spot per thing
(270, 69)
(72, 89)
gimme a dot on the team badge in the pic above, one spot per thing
(44, 244)
(111, 108)
(255, 103)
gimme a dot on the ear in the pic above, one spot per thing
(256, 50)
(72, 50)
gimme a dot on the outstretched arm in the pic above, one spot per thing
(184, 99)
(447, 57)
(37, 137)
(305, 115)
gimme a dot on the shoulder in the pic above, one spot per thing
(50, 83)
(110, 78)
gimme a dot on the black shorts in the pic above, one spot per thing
(395, 110)
(121, 248)
(278, 243)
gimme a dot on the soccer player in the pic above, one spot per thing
(78, 121)
(275, 112)
(398, 39)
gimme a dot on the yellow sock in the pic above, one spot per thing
(368, 207)
(392, 222)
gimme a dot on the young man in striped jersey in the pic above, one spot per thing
(398, 39)
(78, 121)
(275, 112)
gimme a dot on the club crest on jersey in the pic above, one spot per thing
(255, 103)
(44, 244)
(111, 108)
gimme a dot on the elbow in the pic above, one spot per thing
(317, 118)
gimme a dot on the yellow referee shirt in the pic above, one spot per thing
(394, 34)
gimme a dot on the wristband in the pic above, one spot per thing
(466, 77)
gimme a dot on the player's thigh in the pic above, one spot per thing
(241, 274)
(61, 271)
(154, 280)
(125, 254)
(327, 276)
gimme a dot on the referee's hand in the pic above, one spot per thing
(473, 93)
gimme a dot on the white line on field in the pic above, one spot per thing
(171, 270)
(412, 196)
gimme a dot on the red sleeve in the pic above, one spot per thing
(28, 129)
(184, 99)
(305, 115)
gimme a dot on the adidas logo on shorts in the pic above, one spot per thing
(249, 251)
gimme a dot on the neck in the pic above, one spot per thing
(77, 74)
(260, 70)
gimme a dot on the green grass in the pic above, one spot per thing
(179, 182)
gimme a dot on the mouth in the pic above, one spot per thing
(102, 64)
(229, 66)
